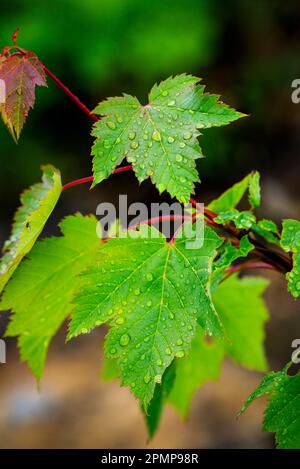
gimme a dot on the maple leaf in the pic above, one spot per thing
(159, 139)
(290, 242)
(41, 290)
(20, 75)
(37, 204)
(152, 294)
(282, 414)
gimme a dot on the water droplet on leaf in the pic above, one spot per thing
(124, 340)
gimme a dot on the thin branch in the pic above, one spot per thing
(193, 218)
(122, 169)
(61, 85)
(247, 266)
(71, 95)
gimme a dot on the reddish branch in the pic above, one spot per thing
(71, 95)
(122, 169)
(60, 84)
(248, 265)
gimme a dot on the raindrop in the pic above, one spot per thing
(178, 158)
(179, 354)
(137, 292)
(124, 340)
(156, 136)
(120, 321)
(147, 379)
(165, 93)
(149, 277)
(134, 145)
(111, 125)
(187, 135)
(131, 135)
(170, 139)
(172, 102)
(179, 342)
(168, 351)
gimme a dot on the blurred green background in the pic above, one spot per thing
(246, 50)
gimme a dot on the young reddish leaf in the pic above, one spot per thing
(20, 75)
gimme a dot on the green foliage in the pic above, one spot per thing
(267, 230)
(159, 139)
(230, 198)
(174, 311)
(41, 291)
(37, 204)
(242, 220)
(151, 293)
(290, 241)
(202, 365)
(227, 255)
(243, 314)
(161, 394)
(254, 190)
(282, 414)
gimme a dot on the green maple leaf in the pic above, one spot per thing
(268, 230)
(151, 293)
(41, 291)
(243, 220)
(243, 313)
(227, 255)
(20, 76)
(159, 139)
(290, 242)
(282, 415)
(232, 196)
(37, 204)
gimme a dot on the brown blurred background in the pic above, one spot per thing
(246, 50)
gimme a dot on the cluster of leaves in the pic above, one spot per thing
(173, 313)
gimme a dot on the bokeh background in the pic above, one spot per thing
(246, 50)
